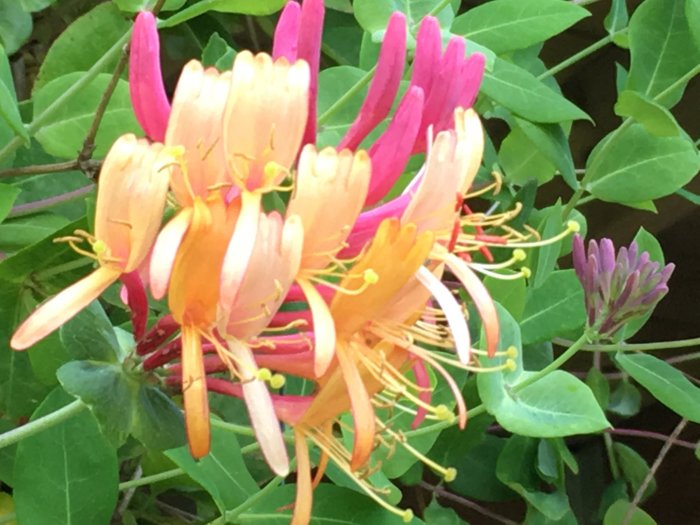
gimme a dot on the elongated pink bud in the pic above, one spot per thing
(474, 74)
(428, 51)
(384, 86)
(312, 13)
(390, 153)
(146, 88)
(286, 40)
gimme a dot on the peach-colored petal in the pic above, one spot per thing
(482, 300)
(165, 250)
(196, 124)
(470, 135)
(260, 410)
(322, 178)
(63, 307)
(324, 328)
(452, 310)
(264, 119)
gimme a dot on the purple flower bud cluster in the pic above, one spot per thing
(619, 287)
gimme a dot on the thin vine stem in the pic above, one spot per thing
(45, 204)
(634, 347)
(41, 424)
(231, 515)
(652, 471)
(155, 478)
(338, 104)
(442, 493)
(595, 46)
(647, 434)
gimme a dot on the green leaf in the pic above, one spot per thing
(655, 118)
(244, 7)
(9, 111)
(31, 6)
(692, 13)
(8, 194)
(67, 473)
(522, 161)
(15, 25)
(507, 25)
(544, 260)
(510, 294)
(106, 391)
(342, 37)
(554, 308)
(625, 400)
(157, 422)
(476, 472)
(41, 256)
(373, 15)
(664, 382)
(134, 6)
(64, 132)
(519, 91)
(663, 51)
(600, 387)
(617, 17)
(47, 356)
(218, 53)
(557, 405)
(631, 165)
(516, 469)
(437, 515)
(634, 469)
(552, 141)
(18, 233)
(89, 335)
(20, 392)
(83, 43)
(331, 506)
(222, 472)
(331, 83)
(618, 511)
(7, 456)
(123, 405)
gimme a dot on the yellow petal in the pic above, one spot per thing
(302, 505)
(194, 392)
(62, 307)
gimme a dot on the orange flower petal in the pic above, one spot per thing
(194, 391)
(304, 500)
(324, 328)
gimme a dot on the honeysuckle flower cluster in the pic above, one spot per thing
(334, 286)
(617, 286)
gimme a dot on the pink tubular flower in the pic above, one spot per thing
(150, 102)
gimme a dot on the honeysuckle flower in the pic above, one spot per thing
(268, 276)
(130, 200)
(617, 287)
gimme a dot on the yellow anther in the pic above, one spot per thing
(277, 381)
(525, 272)
(370, 276)
(99, 247)
(444, 413)
(450, 474)
(573, 226)
(519, 254)
(407, 516)
(264, 374)
(512, 352)
(511, 365)
(174, 151)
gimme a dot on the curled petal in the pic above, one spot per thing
(146, 88)
(261, 410)
(324, 328)
(63, 307)
(482, 300)
(304, 499)
(165, 251)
